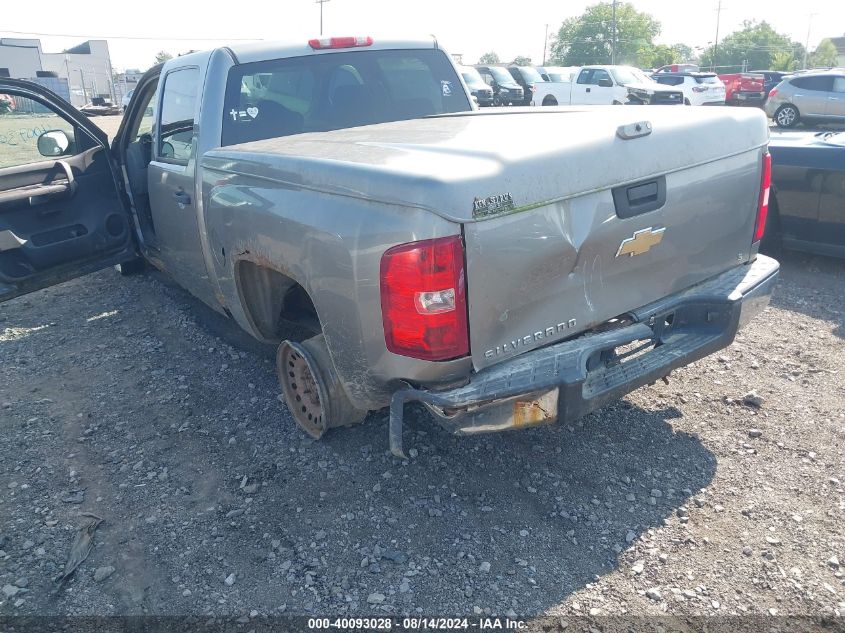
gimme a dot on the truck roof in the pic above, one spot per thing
(276, 49)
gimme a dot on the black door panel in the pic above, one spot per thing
(57, 219)
(60, 216)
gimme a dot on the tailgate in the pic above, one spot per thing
(547, 273)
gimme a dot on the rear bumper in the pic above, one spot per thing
(748, 98)
(569, 379)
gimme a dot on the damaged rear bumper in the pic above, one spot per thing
(567, 380)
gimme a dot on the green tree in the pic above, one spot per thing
(522, 60)
(825, 54)
(661, 55)
(489, 58)
(784, 60)
(757, 46)
(163, 56)
(588, 38)
(683, 53)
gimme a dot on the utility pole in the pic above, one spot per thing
(321, 3)
(613, 39)
(545, 43)
(716, 44)
(807, 43)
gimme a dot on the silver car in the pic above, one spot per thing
(818, 96)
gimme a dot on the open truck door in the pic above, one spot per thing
(62, 214)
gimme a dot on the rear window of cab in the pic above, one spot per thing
(329, 91)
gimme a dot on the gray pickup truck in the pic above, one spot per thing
(341, 199)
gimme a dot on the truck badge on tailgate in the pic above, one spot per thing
(492, 205)
(641, 242)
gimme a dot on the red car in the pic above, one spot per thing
(744, 89)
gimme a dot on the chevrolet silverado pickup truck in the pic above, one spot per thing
(606, 85)
(340, 199)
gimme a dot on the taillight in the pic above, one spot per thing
(763, 203)
(423, 299)
(773, 92)
(339, 42)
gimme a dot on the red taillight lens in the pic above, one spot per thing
(763, 204)
(773, 92)
(339, 42)
(423, 299)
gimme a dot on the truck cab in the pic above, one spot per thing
(615, 85)
(101, 203)
(595, 85)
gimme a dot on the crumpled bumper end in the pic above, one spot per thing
(569, 379)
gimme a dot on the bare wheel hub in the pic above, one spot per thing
(301, 389)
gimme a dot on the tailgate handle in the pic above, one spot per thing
(641, 197)
(642, 194)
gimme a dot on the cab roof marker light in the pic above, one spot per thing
(339, 42)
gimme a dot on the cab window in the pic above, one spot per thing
(178, 111)
(318, 93)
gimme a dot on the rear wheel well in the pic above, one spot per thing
(276, 306)
(549, 101)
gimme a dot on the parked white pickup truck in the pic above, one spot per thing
(606, 85)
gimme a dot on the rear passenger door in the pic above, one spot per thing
(174, 197)
(582, 86)
(61, 211)
(811, 96)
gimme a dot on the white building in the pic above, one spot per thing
(86, 67)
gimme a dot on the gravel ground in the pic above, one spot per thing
(127, 399)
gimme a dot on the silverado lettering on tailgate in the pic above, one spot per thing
(525, 341)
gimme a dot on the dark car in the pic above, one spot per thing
(505, 89)
(527, 77)
(481, 91)
(771, 78)
(807, 206)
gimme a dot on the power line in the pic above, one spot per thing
(136, 37)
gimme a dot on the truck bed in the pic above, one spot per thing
(542, 229)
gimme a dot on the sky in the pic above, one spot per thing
(470, 27)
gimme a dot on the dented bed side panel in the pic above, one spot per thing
(331, 246)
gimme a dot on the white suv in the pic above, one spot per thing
(698, 88)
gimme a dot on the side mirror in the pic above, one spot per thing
(53, 143)
(605, 83)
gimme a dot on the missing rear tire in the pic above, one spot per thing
(314, 395)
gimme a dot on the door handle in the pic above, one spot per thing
(833, 98)
(182, 198)
(588, 90)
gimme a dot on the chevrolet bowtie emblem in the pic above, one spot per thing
(641, 242)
